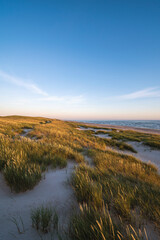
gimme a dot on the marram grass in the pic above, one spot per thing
(21, 176)
(110, 193)
(94, 224)
(44, 219)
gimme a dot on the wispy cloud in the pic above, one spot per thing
(153, 92)
(22, 83)
(35, 89)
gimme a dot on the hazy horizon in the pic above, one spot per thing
(74, 119)
(80, 60)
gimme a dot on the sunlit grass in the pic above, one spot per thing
(94, 224)
(122, 182)
(152, 140)
(110, 192)
(21, 176)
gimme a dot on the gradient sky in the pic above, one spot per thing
(80, 59)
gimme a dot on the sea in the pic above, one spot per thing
(151, 124)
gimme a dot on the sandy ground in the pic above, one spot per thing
(144, 130)
(95, 130)
(103, 136)
(146, 154)
(53, 190)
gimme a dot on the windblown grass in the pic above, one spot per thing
(119, 145)
(126, 187)
(55, 142)
(21, 176)
(112, 193)
(152, 140)
(94, 224)
(114, 143)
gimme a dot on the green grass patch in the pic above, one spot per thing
(152, 140)
(44, 219)
(21, 176)
(119, 145)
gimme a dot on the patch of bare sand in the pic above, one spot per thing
(101, 135)
(53, 190)
(146, 153)
(94, 129)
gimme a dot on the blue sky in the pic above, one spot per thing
(80, 59)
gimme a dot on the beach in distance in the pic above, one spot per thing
(150, 126)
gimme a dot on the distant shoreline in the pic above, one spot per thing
(143, 130)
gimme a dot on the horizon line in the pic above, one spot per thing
(78, 120)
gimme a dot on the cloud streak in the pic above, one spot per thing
(35, 89)
(22, 83)
(153, 92)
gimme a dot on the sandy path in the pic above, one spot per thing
(53, 190)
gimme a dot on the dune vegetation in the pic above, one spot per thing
(44, 219)
(115, 197)
(117, 194)
(152, 140)
(48, 144)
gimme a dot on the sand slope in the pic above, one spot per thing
(52, 190)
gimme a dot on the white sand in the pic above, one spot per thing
(94, 129)
(146, 154)
(103, 136)
(52, 190)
